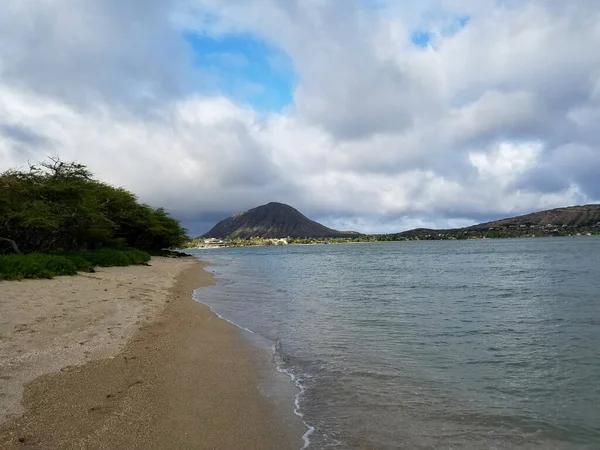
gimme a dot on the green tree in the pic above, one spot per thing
(59, 206)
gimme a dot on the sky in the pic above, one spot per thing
(373, 115)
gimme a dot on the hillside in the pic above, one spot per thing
(273, 220)
(573, 216)
(554, 222)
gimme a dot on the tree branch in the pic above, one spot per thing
(12, 243)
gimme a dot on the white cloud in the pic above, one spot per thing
(504, 164)
(493, 119)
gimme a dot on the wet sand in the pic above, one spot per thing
(170, 375)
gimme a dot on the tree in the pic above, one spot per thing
(59, 206)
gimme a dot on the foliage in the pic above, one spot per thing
(109, 257)
(169, 253)
(234, 242)
(59, 206)
(42, 265)
(35, 265)
(412, 235)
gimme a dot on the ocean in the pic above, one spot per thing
(483, 344)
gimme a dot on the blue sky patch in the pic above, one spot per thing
(423, 38)
(456, 25)
(244, 68)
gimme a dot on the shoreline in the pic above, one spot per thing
(483, 238)
(183, 379)
(272, 374)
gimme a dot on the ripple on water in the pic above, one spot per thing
(429, 344)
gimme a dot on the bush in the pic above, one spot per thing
(35, 265)
(168, 253)
(38, 265)
(58, 206)
(82, 264)
(109, 257)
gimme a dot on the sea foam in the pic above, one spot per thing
(297, 381)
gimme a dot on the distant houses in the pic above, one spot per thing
(572, 221)
(253, 241)
(210, 243)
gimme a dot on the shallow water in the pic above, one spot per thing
(432, 345)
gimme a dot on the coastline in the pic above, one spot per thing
(390, 241)
(171, 375)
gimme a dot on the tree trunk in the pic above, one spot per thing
(12, 243)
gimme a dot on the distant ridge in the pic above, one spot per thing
(273, 220)
(571, 219)
(571, 216)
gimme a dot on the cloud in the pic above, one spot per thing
(507, 162)
(20, 134)
(496, 115)
(85, 52)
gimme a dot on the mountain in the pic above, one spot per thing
(273, 220)
(573, 216)
(553, 222)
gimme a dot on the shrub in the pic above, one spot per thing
(38, 265)
(35, 265)
(82, 264)
(109, 257)
(59, 206)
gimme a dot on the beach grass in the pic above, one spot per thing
(49, 265)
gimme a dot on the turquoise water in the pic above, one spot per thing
(491, 344)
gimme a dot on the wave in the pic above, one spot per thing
(296, 380)
(219, 315)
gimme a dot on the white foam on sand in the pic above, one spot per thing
(301, 389)
(297, 381)
(219, 315)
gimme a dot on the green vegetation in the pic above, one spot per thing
(56, 219)
(422, 234)
(255, 241)
(493, 233)
(233, 242)
(169, 253)
(46, 265)
(412, 235)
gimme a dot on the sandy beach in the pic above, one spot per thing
(125, 359)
